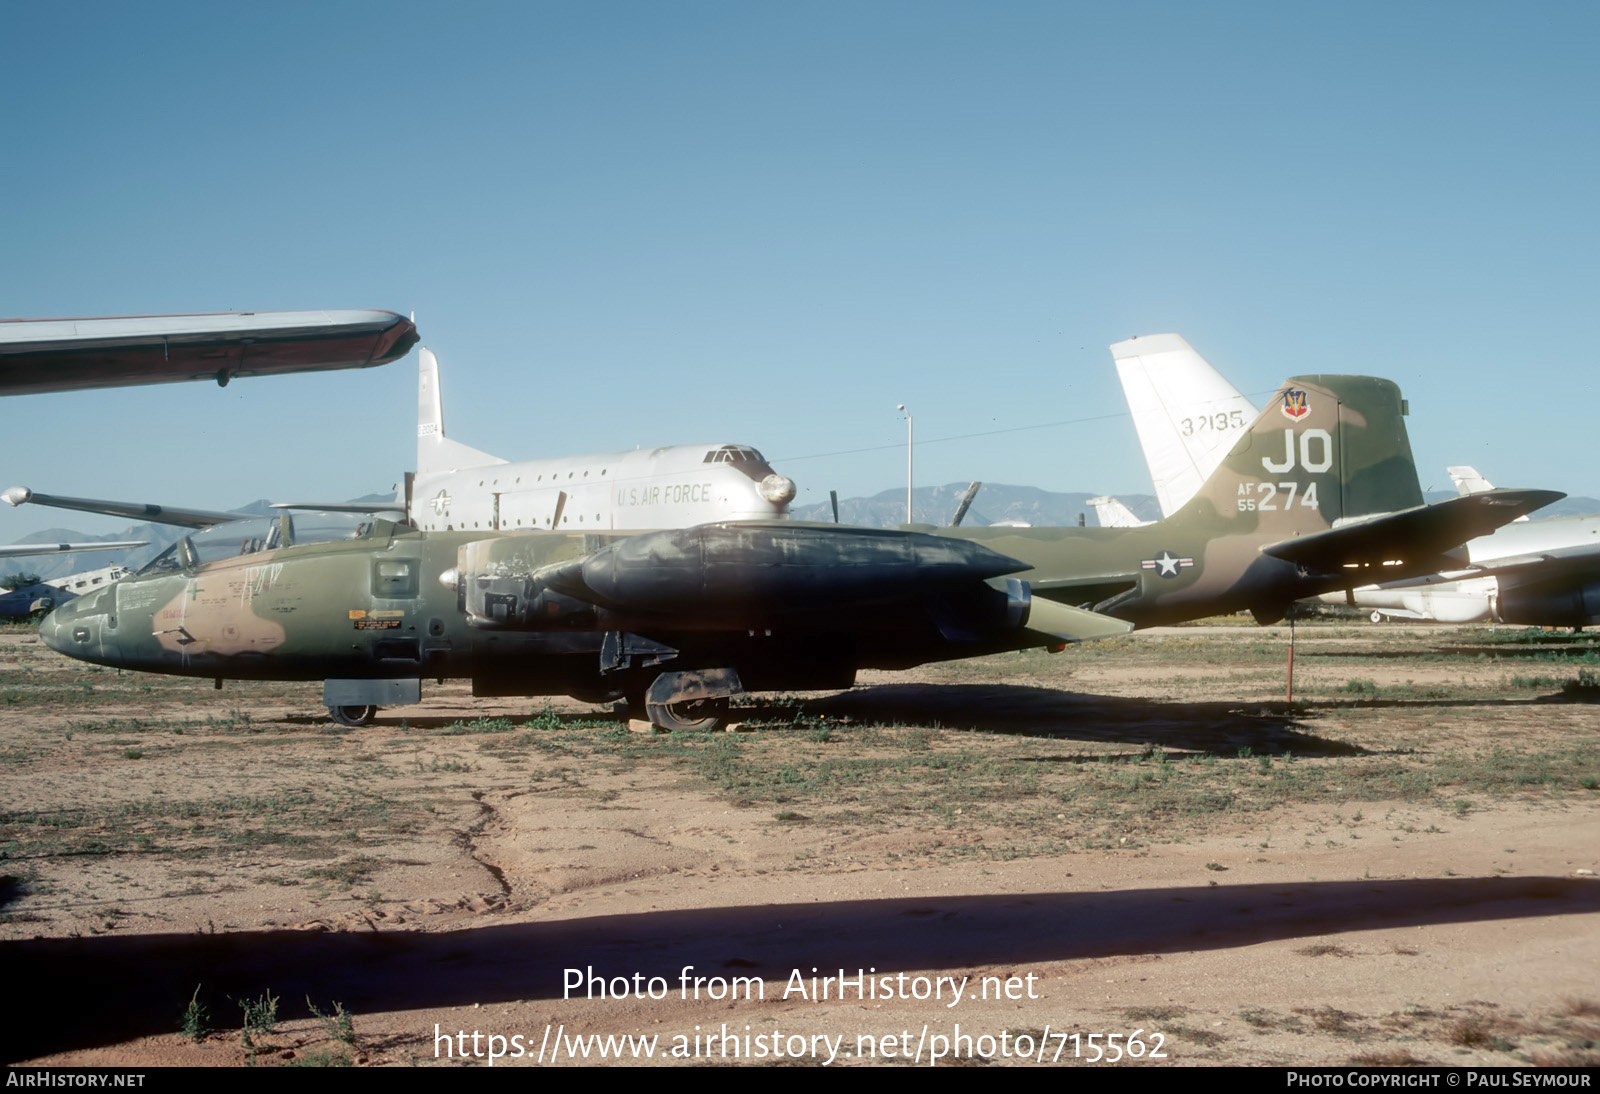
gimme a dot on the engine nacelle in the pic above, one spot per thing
(788, 568)
(1568, 603)
(496, 588)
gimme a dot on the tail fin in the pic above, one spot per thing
(437, 453)
(1187, 415)
(1112, 513)
(1321, 493)
(1327, 450)
(1468, 481)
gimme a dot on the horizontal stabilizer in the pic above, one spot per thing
(1417, 539)
(1072, 624)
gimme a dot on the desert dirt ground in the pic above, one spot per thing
(1137, 838)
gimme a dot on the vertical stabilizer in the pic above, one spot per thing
(436, 453)
(1468, 481)
(1187, 415)
(1327, 450)
(1112, 513)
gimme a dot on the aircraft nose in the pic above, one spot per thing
(778, 489)
(55, 630)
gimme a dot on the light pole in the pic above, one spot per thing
(902, 409)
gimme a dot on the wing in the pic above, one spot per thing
(373, 507)
(157, 514)
(11, 550)
(40, 355)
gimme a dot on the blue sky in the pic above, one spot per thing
(629, 224)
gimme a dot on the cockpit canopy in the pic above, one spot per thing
(247, 537)
(744, 458)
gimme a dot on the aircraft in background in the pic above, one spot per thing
(1187, 416)
(679, 621)
(457, 488)
(1112, 513)
(464, 488)
(1534, 573)
(44, 355)
(32, 597)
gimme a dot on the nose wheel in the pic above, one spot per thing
(352, 716)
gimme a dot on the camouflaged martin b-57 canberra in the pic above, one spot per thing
(1320, 494)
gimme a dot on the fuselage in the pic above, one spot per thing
(392, 604)
(671, 487)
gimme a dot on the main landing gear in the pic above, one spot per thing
(352, 715)
(694, 701)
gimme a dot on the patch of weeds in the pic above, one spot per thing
(341, 1026)
(1359, 686)
(1395, 1057)
(1324, 950)
(790, 817)
(196, 1021)
(1566, 1057)
(1205, 1037)
(323, 1057)
(1154, 1014)
(1332, 1020)
(480, 725)
(353, 871)
(1477, 1031)
(260, 1014)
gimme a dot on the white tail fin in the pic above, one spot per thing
(436, 453)
(1187, 415)
(1113, 514)
(1468, 481)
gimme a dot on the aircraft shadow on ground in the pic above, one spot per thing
(83, 992)
(1215, 727)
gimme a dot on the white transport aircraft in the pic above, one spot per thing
(456, 487)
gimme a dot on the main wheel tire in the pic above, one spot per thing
(700, 715)
(352, 716)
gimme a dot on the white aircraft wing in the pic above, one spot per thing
(1187, 415)
(40, 355)
(12, 550)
